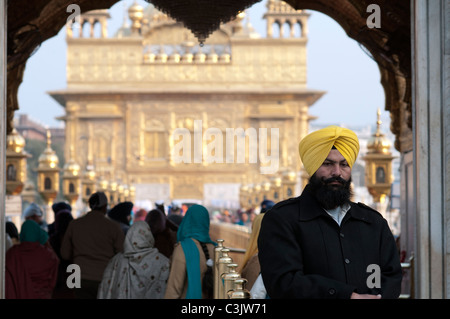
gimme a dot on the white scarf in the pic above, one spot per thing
(339, 212)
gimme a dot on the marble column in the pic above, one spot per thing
(431, 137)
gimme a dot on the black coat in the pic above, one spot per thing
(304, 253)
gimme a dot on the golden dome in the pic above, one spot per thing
(71, 168)
(48, 159)
(89, 174)
(378, 143)
(15, 142)
(135, 12)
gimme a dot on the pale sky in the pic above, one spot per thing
(336, 64)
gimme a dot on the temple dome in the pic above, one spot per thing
(15, 142)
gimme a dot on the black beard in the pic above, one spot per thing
(331, 196)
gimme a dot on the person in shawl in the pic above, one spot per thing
(192, 256)
(140, 272)
(31, 267)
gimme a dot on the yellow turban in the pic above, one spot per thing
(315, 147)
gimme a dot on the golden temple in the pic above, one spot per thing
(128, 97)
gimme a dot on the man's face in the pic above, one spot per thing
(335, 165)
(331, 182)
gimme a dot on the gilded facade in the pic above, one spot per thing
(129, 97)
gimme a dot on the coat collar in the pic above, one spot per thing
(310, 209)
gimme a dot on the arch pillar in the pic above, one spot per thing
(431, 162)
(3, 111)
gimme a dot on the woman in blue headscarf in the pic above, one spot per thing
(192, 256)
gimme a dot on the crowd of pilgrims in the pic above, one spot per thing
(120, 253)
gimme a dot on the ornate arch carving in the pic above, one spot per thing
(31, 23)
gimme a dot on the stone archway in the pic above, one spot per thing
(30, 24)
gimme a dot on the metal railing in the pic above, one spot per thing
(228, 283)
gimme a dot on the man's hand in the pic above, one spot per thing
(364, 296)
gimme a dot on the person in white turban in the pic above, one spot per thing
(34, 212)
(321, 244)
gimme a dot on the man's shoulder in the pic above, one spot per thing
(366, 207)
(368, 211)
(285, 207)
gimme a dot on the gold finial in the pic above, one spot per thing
(48, 159)
(379, 121)
(49, 138)
(378, 143)
(71, 168)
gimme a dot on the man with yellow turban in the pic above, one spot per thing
(321, 244)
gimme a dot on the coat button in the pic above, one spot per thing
(347, 261)
(331, 291)
(341, 234)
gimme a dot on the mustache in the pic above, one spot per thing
(334, 179)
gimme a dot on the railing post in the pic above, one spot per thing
(222, 268)
(217, 254)
(228, 279)
(240, 292)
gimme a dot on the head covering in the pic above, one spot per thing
(156, 219)
(62, 220)
(12, 230)
(252, 247)
(32, 232)
(98, 200)
(315, 147)
(57, 207)
(195, 224)
(121, 211)
(140, 272)
(160, 205)
(31, 210)
(266, 205)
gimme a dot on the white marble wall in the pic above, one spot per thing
(431, 98)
